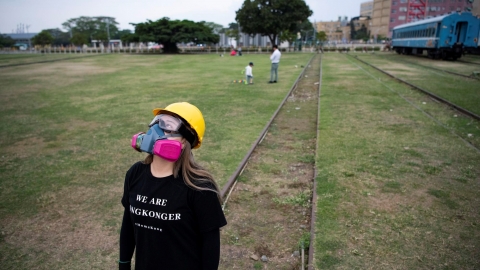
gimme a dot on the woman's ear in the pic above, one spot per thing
(184, 141)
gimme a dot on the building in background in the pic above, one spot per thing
(366, 9)
(381, 18)
(405, 11)
(476, 8)
(337, 31)
(245, 40)
(22, 39)
(388, 14)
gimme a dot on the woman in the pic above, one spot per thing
(172, 205)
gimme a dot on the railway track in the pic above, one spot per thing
(430, 94)
(268, 199)
(472, 116)
(442, 70)
(468, 62)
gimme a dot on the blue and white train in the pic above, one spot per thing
(447, 37)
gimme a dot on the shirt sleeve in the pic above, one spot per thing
(208, 211)
(135, 170)
(211, 250)
(127, 238)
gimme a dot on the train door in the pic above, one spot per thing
(478, 37)
(460, 32)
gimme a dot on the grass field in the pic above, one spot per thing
(397, 188)
(459, 90)
(28, 58)
(65, 141)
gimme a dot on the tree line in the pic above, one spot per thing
(277, 19)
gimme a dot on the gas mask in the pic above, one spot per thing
(155, 140)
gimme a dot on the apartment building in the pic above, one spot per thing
(337, 31)
(366, 9)
(476, 8)
(404, 11)
(379, 25)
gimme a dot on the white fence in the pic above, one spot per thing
(187, 50)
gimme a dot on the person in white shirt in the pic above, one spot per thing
(249, 74)
(275, 58)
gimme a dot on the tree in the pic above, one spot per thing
(271, 17)
(362, 33)
(79, 39)
(169, 33)
(287, 36)
(233, 33)
(6, 41)
(59, 37)
(322, 37)
(122, 33)
(216, 28)
(93, 28)
(306, 29)
(130, 38)
(43, 38)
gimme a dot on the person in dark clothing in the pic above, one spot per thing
(173, 212)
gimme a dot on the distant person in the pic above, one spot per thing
(249, 73)
(239, 51)
(233, 52)
(173, 212)
(275, 58)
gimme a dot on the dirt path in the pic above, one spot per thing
(269, 210)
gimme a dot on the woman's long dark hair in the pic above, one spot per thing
(194, 175)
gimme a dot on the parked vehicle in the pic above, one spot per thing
(447, 37)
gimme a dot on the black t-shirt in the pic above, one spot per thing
(168, 218)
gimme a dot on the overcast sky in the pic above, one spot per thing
(45, 14)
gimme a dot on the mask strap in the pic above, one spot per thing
(188, 135)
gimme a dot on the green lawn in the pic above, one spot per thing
(463, 92)
(65, 135)
(397, 188)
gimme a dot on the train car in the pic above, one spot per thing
(447, 37)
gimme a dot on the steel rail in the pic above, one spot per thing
(311, 248)
(439, 69)
(458, 108)
(245, 159)
(468, 62)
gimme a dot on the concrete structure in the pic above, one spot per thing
(244, 41)
(390, 13)
(381, 18)
(337, 31)
(403, 12)
(476, 8)
(366, 9)
(22, 38)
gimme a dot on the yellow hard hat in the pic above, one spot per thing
(189, 114)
